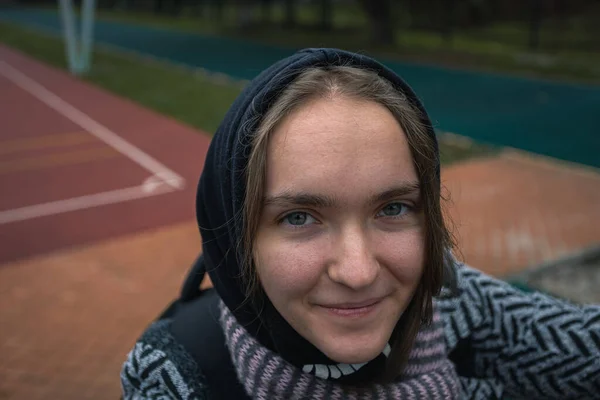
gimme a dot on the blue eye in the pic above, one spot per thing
(298, 218)
(393, 210)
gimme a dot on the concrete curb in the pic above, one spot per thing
(578, 257)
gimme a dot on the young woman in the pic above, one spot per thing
(319, 210)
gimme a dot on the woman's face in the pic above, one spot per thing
(340, 245)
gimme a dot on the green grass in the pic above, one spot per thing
(497, 48)
(188, 96)
(184, 95)
(456, 148)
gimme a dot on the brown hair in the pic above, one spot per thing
(344, 81)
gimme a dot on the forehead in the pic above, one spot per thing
(331, 142)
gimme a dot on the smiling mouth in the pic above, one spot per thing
(353, 309)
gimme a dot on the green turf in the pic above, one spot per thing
(188, 96)
(455, 148)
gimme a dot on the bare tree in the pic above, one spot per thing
(535, 23)
(448, 9)
(290, 13)
(326, 15)
(379, 13)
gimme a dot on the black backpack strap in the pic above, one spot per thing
(189, 291)
(195, 325)
(191, 286)
(463, 358)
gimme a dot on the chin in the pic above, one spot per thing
(352, 354)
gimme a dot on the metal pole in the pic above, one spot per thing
(70, 34)
(78, 49)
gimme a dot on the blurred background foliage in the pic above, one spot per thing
(552, 38)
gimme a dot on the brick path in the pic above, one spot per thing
(517, 211)
(68, 318)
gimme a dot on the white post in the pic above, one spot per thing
(78, 49)
(66, 13)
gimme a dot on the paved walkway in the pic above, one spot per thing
(516, 211)
(70, 312)
(557, 120)
(68, 319)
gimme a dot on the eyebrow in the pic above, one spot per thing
(408, 188)
(288, 198)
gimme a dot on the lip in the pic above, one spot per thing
(355, 309)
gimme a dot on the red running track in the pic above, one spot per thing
(78, 164)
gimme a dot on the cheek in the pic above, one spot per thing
(404, 254)
(288, 270)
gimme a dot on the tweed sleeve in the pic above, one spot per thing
(533, 345)
(159, 368)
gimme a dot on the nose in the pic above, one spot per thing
(353, 263)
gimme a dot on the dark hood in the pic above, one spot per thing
(219, 202)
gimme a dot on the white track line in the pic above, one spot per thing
(93, 127)
(147, 189)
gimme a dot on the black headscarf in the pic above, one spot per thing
(219, 201)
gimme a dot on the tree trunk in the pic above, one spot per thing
(326, 15)
(448, 8)
(562, 23)
(267, 10)
(380, 19)
(245, 14)
(535, 24)
(290, 13)
(216, 7)
(159, 6)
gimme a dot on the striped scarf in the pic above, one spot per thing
(265, 375)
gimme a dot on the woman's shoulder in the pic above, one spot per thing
(482, 303)
(160, 367)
